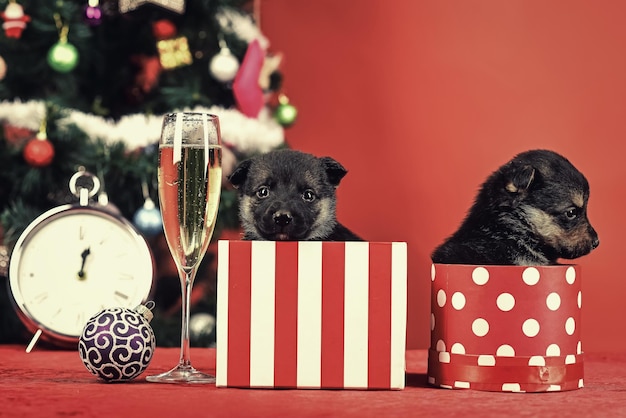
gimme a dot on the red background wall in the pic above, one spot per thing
(422, 100)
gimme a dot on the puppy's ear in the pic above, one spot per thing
(334, 170)
(519, 178)
(239, 174)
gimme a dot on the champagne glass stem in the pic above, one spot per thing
(186, 282)
(184, 372)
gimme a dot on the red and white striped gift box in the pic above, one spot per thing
(311, 314)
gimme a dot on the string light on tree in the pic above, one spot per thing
(63, 56)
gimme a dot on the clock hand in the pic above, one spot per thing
(84, 254)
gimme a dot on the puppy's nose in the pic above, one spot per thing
(282, 219)
(595, 243)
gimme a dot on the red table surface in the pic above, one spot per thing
(56, 383)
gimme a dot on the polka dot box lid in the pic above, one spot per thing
(506, 328)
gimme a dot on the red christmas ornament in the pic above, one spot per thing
(14, 20)
(246, 88)
(149, 72)
(163, 29)
(39, 152)
(17, 136)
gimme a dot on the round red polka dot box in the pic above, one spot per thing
(506, 328)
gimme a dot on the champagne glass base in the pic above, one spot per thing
(182, 374)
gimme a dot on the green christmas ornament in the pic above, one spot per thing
(63, 56)
(285, 113)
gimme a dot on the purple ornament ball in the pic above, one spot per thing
(117, 344)
(93, 15)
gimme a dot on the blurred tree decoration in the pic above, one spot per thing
(86, 83)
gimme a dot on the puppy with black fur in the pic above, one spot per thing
(531, 211)
(288, 195)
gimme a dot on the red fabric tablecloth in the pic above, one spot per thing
(55, 383)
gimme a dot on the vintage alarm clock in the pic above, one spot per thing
(75, 260)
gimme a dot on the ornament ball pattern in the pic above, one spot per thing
(117, 344)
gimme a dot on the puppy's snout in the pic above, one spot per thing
(282, 219)
(595, 241)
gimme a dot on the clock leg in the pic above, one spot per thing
(32, 342)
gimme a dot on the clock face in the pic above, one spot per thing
(76, 262)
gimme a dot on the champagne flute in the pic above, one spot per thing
(190, 179)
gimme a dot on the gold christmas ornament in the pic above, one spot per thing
(174, 53)
(177, 6)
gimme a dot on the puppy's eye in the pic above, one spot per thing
(571, 213)
(263, 192)
(308, 195)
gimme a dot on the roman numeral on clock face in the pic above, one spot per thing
(39, 298)
(120, 297)
(80, 319)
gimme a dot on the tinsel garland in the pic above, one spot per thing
(246, 135)
(242, 25)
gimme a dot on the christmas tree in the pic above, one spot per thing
(85, 83)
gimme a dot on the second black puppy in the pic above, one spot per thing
(531, 211)
(288, 195)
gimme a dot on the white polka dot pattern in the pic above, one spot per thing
(441, 298)
(531, 276)
(457, 348)
(505, 302)
(505, 350)
(511, 387)
(491, 315)
(458, 301)
(486, 361)
(553, 350)
(530, 327)
(480, 276)
(570, 326)
(553, 301)
(480, 327)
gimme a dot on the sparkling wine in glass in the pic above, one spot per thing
(190, 179)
